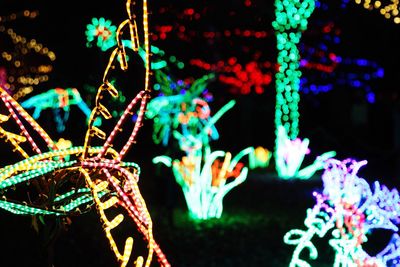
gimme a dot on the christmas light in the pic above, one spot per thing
(290, 154)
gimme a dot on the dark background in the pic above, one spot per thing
(257, 213)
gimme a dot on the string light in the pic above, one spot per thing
(388, 10)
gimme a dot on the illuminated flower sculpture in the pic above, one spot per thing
(66, 182)
(351, 210)
(58, 99)
(289, 156)
(180, 105)
(202, 174)
(102, 33)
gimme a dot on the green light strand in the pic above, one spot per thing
(290, 22)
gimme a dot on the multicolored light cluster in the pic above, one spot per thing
(250, 69)
(324, 68)
(201, 174)
(57, 99)
(351, 211)
(70, 181)
(180, 105)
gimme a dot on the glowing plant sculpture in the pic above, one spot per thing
(290, 155)
(91, 176)
(351, 210)
(180, 105)
(57, 99)
(290, 23)
(202, 175)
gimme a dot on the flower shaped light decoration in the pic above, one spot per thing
(102, 33)
(351, 210)
(58, 99)
(202, 175)
(289, 156)
(67, 182)
(180, 105)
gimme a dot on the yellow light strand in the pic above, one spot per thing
(389, 11)
(108, 226)
(120, 53)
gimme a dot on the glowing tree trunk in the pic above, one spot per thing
(290, 23)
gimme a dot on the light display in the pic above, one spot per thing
(20, 67)
(201, 174)
(289, 156)
(323, 67)
(70, 181)
(58, 99)
(102, 32)
(351, 211)
(291, 21)
(248, 68)
(240, 79)
(180, 105)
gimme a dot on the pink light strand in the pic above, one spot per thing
(162, 259)
(22, 127)
(138, 209)
(11, 103)
(117, 127)
(138, 124)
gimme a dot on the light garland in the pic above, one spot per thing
(350, 209)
